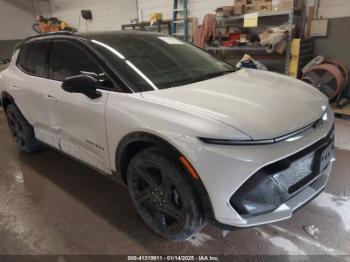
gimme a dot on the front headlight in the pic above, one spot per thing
(325, 117)
(326, 114)
(236, 142)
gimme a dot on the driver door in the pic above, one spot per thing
(77, 121)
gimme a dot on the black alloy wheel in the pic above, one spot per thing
(163, 194)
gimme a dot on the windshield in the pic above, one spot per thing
(154, 61)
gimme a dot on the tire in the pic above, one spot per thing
(164, 195)
(21, 130)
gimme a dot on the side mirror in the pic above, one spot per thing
(83, 84)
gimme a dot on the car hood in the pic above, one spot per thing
(263, 105)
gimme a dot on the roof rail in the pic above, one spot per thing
(41, 35)
(50, 34)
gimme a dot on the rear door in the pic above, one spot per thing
(78, 121)
(28, 84)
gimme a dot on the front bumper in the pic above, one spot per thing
(225, 169)
(286, 210)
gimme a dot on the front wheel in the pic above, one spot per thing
(163, 194)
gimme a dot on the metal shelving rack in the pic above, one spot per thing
(147, 26)
(164, 26)
(227, 19)
(223, 22)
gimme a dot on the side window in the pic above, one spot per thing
(2, 61)
(33, 58)
(68, 59)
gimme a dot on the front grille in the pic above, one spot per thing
(296, 173)
(320, 163)
(317, 149)
(292, 173)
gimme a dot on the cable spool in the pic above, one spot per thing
(342, 67)
(327, 78)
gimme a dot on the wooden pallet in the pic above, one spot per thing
(342, 112)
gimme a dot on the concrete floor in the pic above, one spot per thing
(51, 204)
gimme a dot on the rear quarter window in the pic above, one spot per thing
(2, 61)
(33, 59)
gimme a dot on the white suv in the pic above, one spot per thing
(194, 138)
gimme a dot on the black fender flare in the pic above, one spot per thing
(133, 143)
(6, 95)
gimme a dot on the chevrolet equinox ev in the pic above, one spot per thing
(195, 139)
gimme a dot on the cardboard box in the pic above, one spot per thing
(224, 11)
(265, 6)
(250, 8)
(219, 12)
(227, 10)
(275, 5)
(250, 2)
(154, 17)
(287, 4)
(239, 9)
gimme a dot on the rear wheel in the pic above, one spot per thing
(163, 194)
(21, 130)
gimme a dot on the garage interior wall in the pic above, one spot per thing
(336, 44)
(111, 14)
(334, 8)
(107, 14)
(16, 20)
(197, 8)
